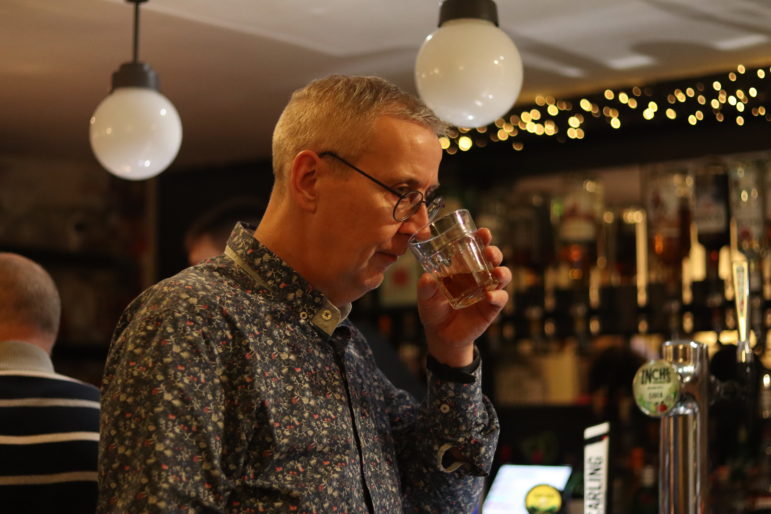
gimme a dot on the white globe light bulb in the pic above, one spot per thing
(468, 72)
(135, 132)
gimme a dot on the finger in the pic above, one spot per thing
(484, 236)
(503, 275)
(497, 298)
(494, 255)
(428, 287)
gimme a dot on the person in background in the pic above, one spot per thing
(208, 234)
(49, 423)
(240, 385)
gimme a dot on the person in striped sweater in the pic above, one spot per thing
(49, 423)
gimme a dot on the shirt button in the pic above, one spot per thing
(444, 408)
(326, 315)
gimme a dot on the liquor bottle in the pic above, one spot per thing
(748, 231)
(645, 500)
(579, 220)
(711, 217)
(582, 207)
(750, 239)
(766, 261)
(494, 213)
(668, 202)
(615, 293)
(765, 166)
(532, 251)
(747, 206)
(762, 483)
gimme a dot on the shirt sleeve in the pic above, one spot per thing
(447, 448)
(162, 419)
(463, 375)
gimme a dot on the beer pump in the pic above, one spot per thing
(677, 389)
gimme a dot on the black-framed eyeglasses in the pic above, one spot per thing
(409, 202)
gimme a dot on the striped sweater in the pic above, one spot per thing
(49, 432)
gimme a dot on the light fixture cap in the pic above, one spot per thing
(481, 9)
(135, 74)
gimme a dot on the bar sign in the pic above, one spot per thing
(596, 442)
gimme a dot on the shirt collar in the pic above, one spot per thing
(269, 272)
(18, 355)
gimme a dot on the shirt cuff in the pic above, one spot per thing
(462, 375)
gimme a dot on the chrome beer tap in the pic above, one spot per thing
(676, 389)
(683, 447)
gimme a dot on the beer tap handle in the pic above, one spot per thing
(745, 367)
(742, 297)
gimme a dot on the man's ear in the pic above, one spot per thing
(303, 180)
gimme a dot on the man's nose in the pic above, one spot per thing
(417, 223)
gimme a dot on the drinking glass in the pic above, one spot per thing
(452, 252)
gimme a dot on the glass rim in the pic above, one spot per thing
(460, 214)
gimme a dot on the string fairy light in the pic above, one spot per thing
(736, 97)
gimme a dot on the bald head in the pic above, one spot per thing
(30, 306)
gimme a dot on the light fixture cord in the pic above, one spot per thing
(136, 30)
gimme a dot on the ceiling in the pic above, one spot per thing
(230, 65)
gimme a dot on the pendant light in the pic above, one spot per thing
(468, 71)
(135, 132)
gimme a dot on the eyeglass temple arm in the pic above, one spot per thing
(373, 179)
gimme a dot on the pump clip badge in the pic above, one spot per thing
(656, 387)
(543, 499)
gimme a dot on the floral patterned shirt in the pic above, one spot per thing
(235, 386)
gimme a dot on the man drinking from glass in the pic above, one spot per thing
(239, 385)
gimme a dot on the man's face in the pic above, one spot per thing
(363, 238)
(203, 248)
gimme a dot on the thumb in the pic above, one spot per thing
(428, 287)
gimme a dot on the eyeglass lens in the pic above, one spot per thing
(410, 203)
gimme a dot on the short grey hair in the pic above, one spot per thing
(337, 113)
(28, 295)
